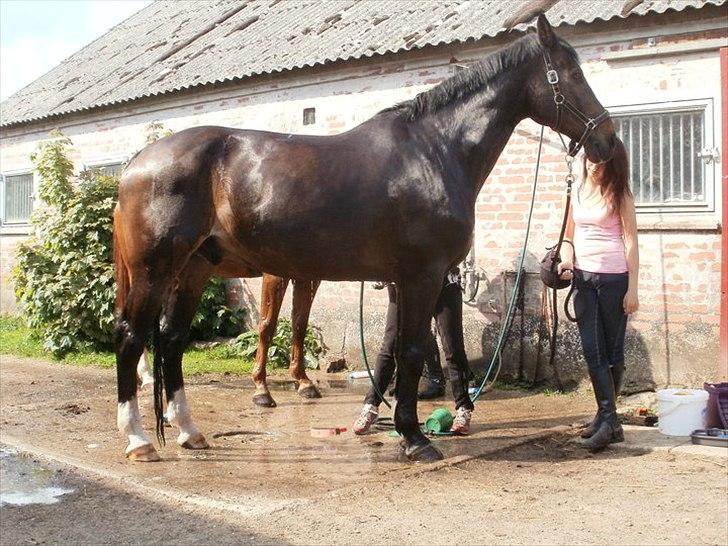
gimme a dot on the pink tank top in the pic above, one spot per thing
(598, 238)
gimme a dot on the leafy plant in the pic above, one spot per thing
(64, 274)
(214, 317)
(279, 353)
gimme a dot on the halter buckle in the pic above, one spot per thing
(591, 124)
(552, 77)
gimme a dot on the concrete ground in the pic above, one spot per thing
(520, 478)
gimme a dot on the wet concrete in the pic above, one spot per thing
(518, 479)
(71, 413)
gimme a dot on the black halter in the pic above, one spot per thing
(590, 124)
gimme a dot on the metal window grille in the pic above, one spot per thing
(664, 156)
(110, 169)
(17, 198)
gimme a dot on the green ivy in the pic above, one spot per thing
(64, 274)
(279, 353)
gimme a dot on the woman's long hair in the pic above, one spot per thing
(612, 178)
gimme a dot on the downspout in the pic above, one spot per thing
(722, 374)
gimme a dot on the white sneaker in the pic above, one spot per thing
(461, 423)
(367, 417)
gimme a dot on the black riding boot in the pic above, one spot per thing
(609, 429)
(591, 428)
(433, 379)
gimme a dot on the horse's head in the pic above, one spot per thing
(560, 97)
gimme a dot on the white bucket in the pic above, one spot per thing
(681, 411)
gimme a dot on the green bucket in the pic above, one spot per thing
(439, 421)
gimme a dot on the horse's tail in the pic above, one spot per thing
(122, 274)
(158, 382)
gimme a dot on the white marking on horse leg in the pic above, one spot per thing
(178, 413)
(129, 423)
(143, 371)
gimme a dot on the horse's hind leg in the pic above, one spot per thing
(274, 288)
(140, 310)
(303, 294)
(144, 372)
(178, 315)
(415, 303)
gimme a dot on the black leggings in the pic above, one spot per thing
(598, 302)
(449, 319)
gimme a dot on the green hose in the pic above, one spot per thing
(514, 294)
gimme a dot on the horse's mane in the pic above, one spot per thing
(465, 82)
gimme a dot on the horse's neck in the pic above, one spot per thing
(483, 124)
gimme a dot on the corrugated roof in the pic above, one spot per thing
(173, 45)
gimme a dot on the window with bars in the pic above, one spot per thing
(17, 198)
(667, 157)
(108, 169)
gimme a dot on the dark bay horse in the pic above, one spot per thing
(393, 199)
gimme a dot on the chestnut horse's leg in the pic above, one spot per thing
(303, 294)
(274, 288)
(178, 315)
(416, 299)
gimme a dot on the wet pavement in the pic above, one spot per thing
(519, 478)
(261, 454)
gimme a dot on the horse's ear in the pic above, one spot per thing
(546, 34)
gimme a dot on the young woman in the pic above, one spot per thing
(449, 320)
(603, 260)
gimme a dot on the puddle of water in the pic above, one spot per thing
(23, 481)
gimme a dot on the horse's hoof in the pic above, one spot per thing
(423, 453)
(144, 454)
(264, 400)
(309, 392)
(196, 441)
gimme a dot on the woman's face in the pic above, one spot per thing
(593, 168)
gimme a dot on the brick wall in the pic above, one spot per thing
(672, 340)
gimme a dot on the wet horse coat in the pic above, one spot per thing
(390, 200)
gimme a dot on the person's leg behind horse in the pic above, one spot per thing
(449, 319)
(383, 368)
(303, 294)
(433, 378)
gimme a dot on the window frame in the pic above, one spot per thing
(3, 176)
(704, 105)
(105, 162)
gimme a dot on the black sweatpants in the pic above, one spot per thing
(449, 319)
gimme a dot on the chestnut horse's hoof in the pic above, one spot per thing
(196, 441)
(264, 400)
(143, 454)
(423, 453)
(309, 391)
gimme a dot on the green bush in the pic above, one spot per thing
(279, 353)
(214, 317)
(64, 275)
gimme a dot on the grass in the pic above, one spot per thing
(18, 340)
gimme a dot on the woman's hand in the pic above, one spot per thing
(631, 302)
(565, 270)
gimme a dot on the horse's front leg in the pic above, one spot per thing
(303, 294)
(175, 330)
(416, 299)
(272, 292)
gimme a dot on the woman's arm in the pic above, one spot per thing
(631, 248)
(567, 249)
